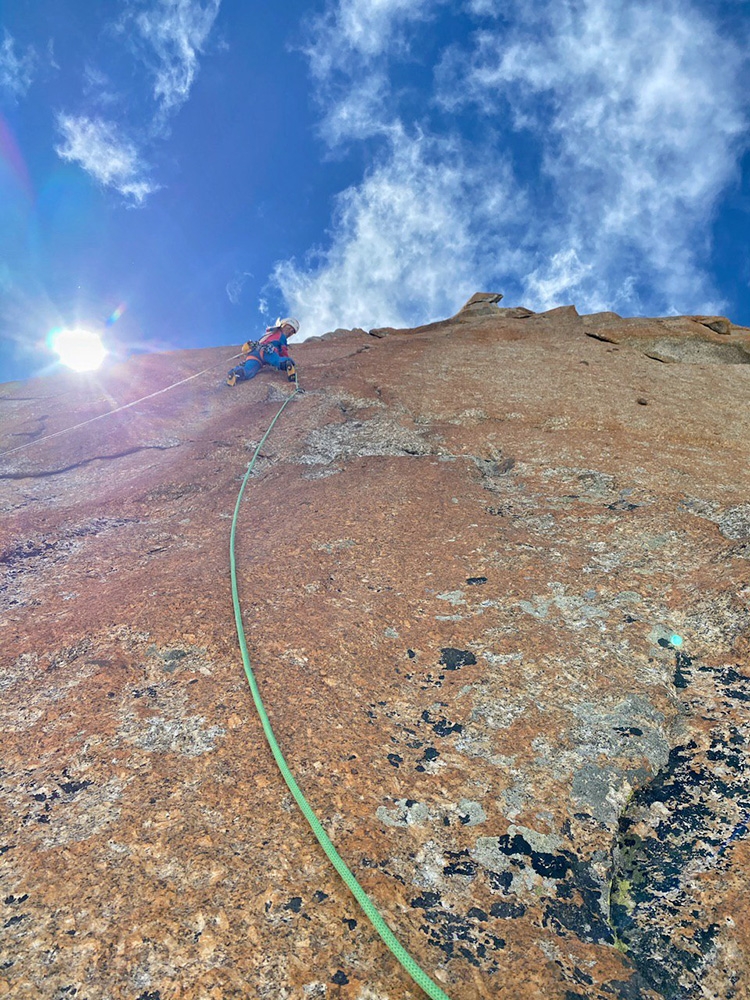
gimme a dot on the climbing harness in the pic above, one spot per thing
(407, 962)
(117, 409)
(257, 350)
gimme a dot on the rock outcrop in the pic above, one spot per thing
(495, 574)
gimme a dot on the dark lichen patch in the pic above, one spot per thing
(454, 659)
(459, 935)
(500, 881)
(550, 865)
(459, 863)
(507, 911)
(682, 825)
(71, 787)
(682, 673)
(149, 692)
(431, 680)
(340, 978)
(579, 905)
(570, 894)
(513, 845)
(441, 727)
(623, 505)
(582, 977)
(429, 755)
(740, 831)
(576, 917)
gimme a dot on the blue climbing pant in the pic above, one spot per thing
(247, 370)
(253, 365)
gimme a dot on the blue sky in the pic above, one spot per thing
(179, 173)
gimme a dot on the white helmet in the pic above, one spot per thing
(289, 321)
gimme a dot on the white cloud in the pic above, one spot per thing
(640, 133)
(16, 71)
(112, 160)
(175, 32)
(352, 30)
(235, 285)
(98, 87)
(350, 49)
(563, 275)
(358, 113)
(420, 231)
(168, 35)
(624, 133)
(485, 8)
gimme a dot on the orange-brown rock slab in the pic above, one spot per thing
(498, 612)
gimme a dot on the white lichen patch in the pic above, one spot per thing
(577, 612)
(453, 597)
(407, 812)
(184, 736)
(155, 719)
(544, 842)
(81, 815)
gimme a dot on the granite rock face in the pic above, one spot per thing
(495, 575)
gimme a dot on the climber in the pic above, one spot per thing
(271, 350)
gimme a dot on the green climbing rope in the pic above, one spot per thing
(417, 974)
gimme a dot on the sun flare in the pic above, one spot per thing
(80, 350)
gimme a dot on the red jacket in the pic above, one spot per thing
(274, 337)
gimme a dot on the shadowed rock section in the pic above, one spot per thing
(496, 584)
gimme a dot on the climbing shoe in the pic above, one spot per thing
(232, 378)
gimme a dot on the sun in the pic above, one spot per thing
(80, 350)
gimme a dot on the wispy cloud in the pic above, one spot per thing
(174, 32)
(166, 36)
(637, 143)
(112, 159)
(350, 47)
(16, 70)
(235, 285)
(357, 113)
(362, 28)
(605, 124)
(98, 88)
(408, 240)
